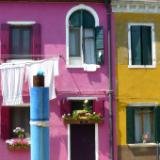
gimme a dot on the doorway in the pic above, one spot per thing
(83, 142)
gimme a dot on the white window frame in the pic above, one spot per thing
(142, 105)
(153, 46)
(96, 18)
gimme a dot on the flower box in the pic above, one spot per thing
(82, 121)
(18, 144)
(82, 117)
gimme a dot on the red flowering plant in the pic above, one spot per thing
(19, 142)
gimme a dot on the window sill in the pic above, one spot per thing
(80, 67)
(142, 145)
(141, 66)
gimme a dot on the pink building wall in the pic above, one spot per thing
(70, 82)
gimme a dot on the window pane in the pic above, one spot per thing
(138, 126)
(20, 42)
(88, 20)
(148, 125)
(26, 41)
(81, 104)
(15, 41)
(144, 125)
(89, 46)
(74, 42)
(136, 45)
(75, 19)
(146, 45)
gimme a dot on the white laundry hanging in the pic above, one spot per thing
(12, 78)
(50, 69)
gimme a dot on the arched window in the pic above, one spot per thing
(84, 39)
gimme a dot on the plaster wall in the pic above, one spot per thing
(70, 82)
(134, 85)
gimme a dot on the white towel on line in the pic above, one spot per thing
(49, 68)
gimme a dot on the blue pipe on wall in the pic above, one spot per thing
(39, 123)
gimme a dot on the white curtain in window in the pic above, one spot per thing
(138, 127)
(74, 43)
(89, 46)
(147, 124)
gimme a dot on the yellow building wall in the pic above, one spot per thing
(134, 85)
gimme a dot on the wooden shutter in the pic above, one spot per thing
(146, 45)
(136, 45)
(5, 45)
(65, 107)
(98, 107)
(36, 41)
(130, 125)
(157, 124)
(99, 45)
(5, 122)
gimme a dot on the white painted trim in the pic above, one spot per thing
(25, 23)
(69, 141)
(135, 10)
(143, 104)
(75, 8)
(82, 98)
(96, 142)
(153, 46)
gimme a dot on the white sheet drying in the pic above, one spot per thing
(12, 79)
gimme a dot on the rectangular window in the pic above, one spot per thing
(82, 104)
(141, 48)
(142, 124)
(20, 41)
(20, 117)
(12, 117)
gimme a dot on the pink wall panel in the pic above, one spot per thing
(70, 82)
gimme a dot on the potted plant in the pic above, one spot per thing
(18, 143)
(82, 116)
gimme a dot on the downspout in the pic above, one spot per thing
(110, 89)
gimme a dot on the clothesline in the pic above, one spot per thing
(16, 64)
(12, 78)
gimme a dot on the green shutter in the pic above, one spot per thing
(88, 20)
(146, 45)
(136, 45)
(99, 45)
(157, 123)
(130, 125)
(75, 19)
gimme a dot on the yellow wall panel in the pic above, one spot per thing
(134, 85)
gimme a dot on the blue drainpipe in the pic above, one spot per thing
(39, 119)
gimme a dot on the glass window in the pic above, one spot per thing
(144, 125)
(141, 45)
(82, 37)
(20, 117)
(20, 41)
